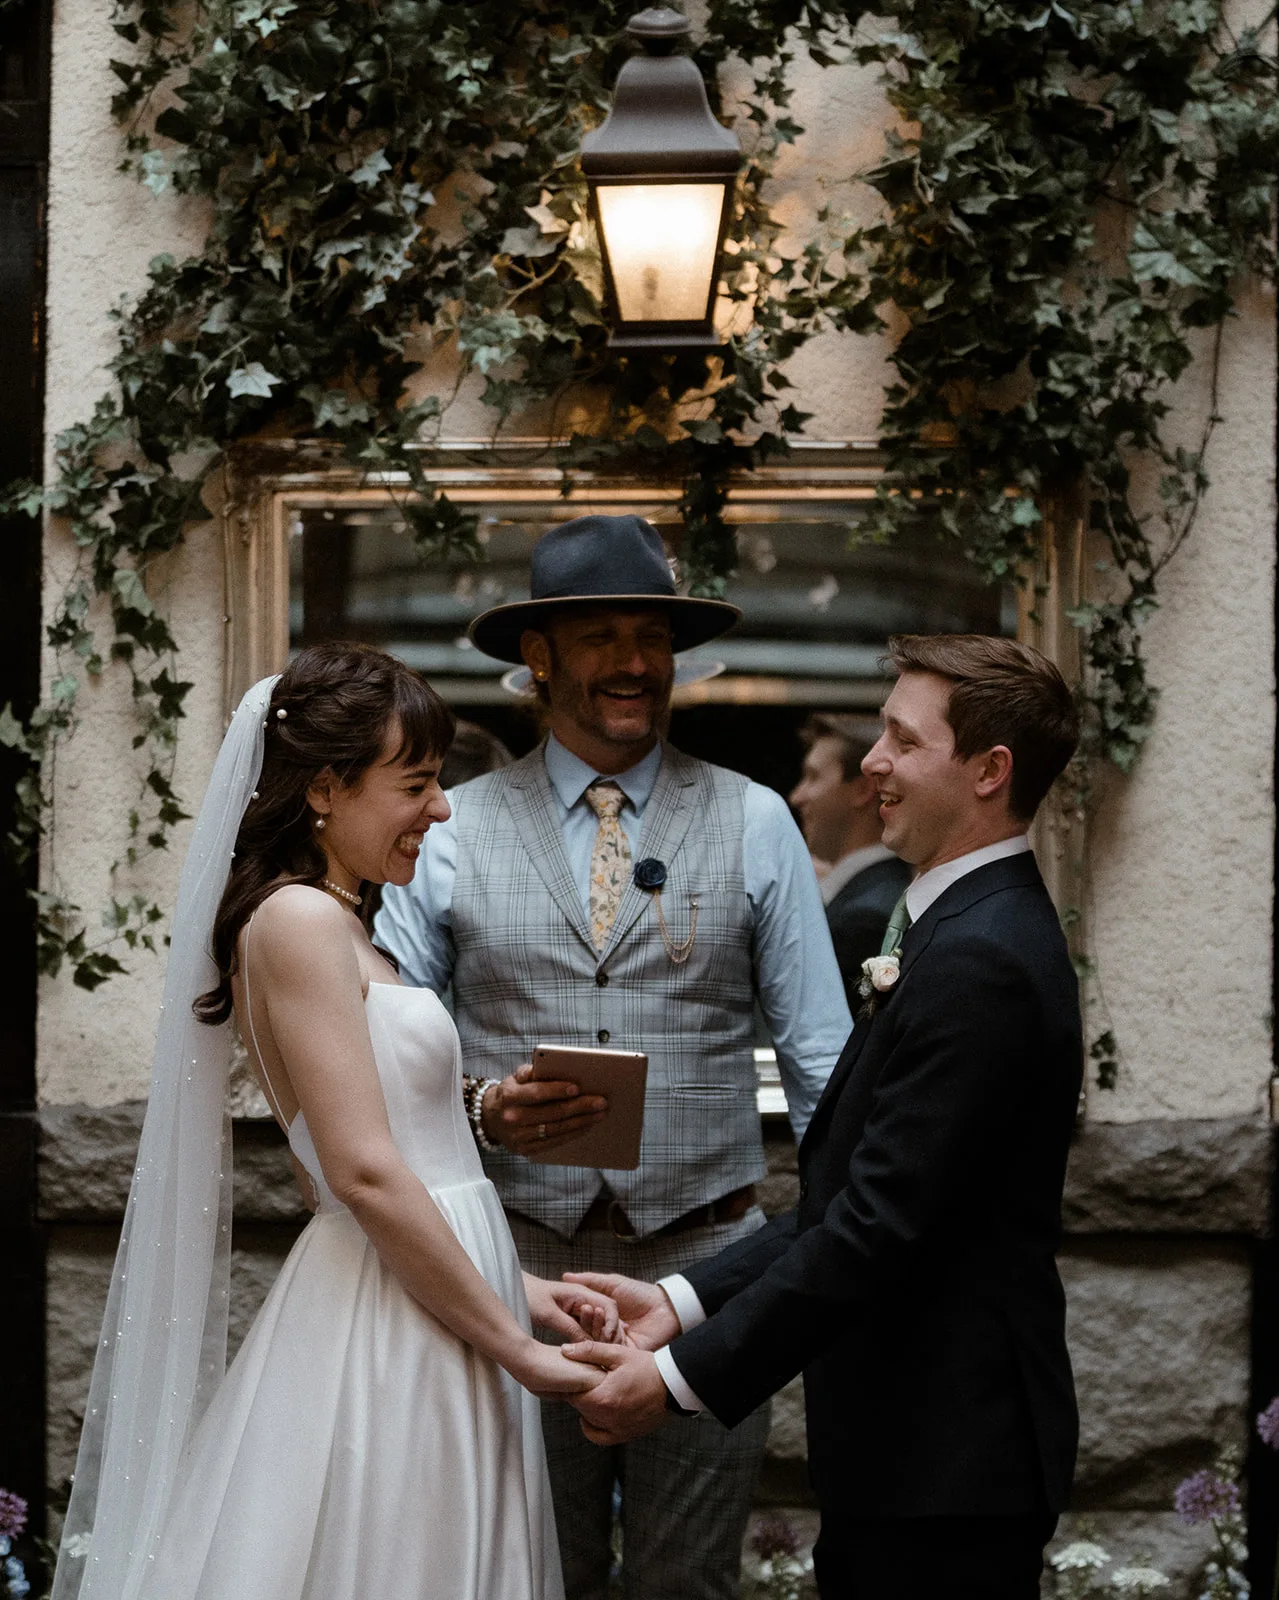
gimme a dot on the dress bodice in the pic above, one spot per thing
(419, 1064)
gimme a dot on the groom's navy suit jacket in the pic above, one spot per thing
(915, 1286)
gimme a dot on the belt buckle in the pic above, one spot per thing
(615, 1211)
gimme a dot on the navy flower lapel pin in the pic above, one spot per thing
(650, 876)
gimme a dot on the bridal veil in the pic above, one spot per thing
(162, 1349)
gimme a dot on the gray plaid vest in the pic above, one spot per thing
(526, 973)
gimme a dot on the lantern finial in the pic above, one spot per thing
(659, 29)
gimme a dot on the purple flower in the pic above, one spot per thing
(1268, 1424)
(13, 1514)
(774, 1537)
(1204, 1497)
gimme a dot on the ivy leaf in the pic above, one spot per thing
(707, 432)
(528, 242)
(371, 169)
(547, 220)
(220, 318)
(126, 587)
(155, 171)
(94, 969)
(331, 249)
(1152, 261)
(252, 379)
(493, 339)
(13, 734)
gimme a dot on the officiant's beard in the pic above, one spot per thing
(595, 689)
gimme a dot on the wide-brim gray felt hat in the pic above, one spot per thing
(600, 561)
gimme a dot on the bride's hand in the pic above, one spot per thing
(650, 1319)
(543, 1370)
(573, 1311)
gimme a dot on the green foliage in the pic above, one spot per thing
(374, 170)
(1082, 188)
(1076, 190)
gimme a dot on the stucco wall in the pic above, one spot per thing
(1182, 853)
(103, 229)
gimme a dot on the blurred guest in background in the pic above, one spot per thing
(474, 750)
(838, 810)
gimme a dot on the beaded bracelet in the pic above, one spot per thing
(473, 1092)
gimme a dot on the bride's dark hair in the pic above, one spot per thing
(331, 711)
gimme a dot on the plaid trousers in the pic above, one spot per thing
(685, 1489)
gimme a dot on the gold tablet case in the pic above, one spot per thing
(620, 1076)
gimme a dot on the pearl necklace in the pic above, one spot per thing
(342, 894)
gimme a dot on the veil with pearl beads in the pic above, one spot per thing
(162, 1349)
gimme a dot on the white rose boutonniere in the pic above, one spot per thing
(879, 974)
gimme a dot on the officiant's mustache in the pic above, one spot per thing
(645, 682)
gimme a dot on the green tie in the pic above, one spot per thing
(897, 925)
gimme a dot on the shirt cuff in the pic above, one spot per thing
(683, 1297)
(673, 1378)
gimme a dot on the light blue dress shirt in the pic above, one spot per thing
(797, 978)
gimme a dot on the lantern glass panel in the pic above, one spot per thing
(661, 240)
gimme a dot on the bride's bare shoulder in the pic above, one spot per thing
(298, 918)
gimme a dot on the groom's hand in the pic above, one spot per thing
(628, 1401)
(526, 1114)
(647, 1312)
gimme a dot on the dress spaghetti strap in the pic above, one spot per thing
(267, 1087)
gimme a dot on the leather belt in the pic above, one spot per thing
(606, 1216)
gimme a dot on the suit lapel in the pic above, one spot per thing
(1012, 872)
(1020, 871)
(533, 811)
(667, 817)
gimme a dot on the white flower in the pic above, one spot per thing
(1138, 1580)
(76, 1545)
(882, 972)
(1081, 1556)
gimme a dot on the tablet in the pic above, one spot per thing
(618, 1075)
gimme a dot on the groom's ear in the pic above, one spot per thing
(994, 773)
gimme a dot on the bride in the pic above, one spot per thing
(377, 1436)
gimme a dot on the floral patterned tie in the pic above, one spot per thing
(610, 858)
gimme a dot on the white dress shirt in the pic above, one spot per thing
(926, 888)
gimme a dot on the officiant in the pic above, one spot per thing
(529, 905)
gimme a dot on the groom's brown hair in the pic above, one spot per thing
(1001, 692)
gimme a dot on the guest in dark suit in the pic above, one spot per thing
(915, 1285)
(838, 810)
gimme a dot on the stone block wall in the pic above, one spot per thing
(1162, 1221)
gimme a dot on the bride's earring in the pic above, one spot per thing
(319, 824)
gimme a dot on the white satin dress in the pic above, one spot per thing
(357, 1449)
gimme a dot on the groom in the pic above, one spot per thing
(915, 1285)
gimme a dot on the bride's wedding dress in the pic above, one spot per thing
(357, 1449)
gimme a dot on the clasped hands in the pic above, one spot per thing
(630, 1397)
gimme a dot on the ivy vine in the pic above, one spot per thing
(1085, 188)
(1078, 189)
